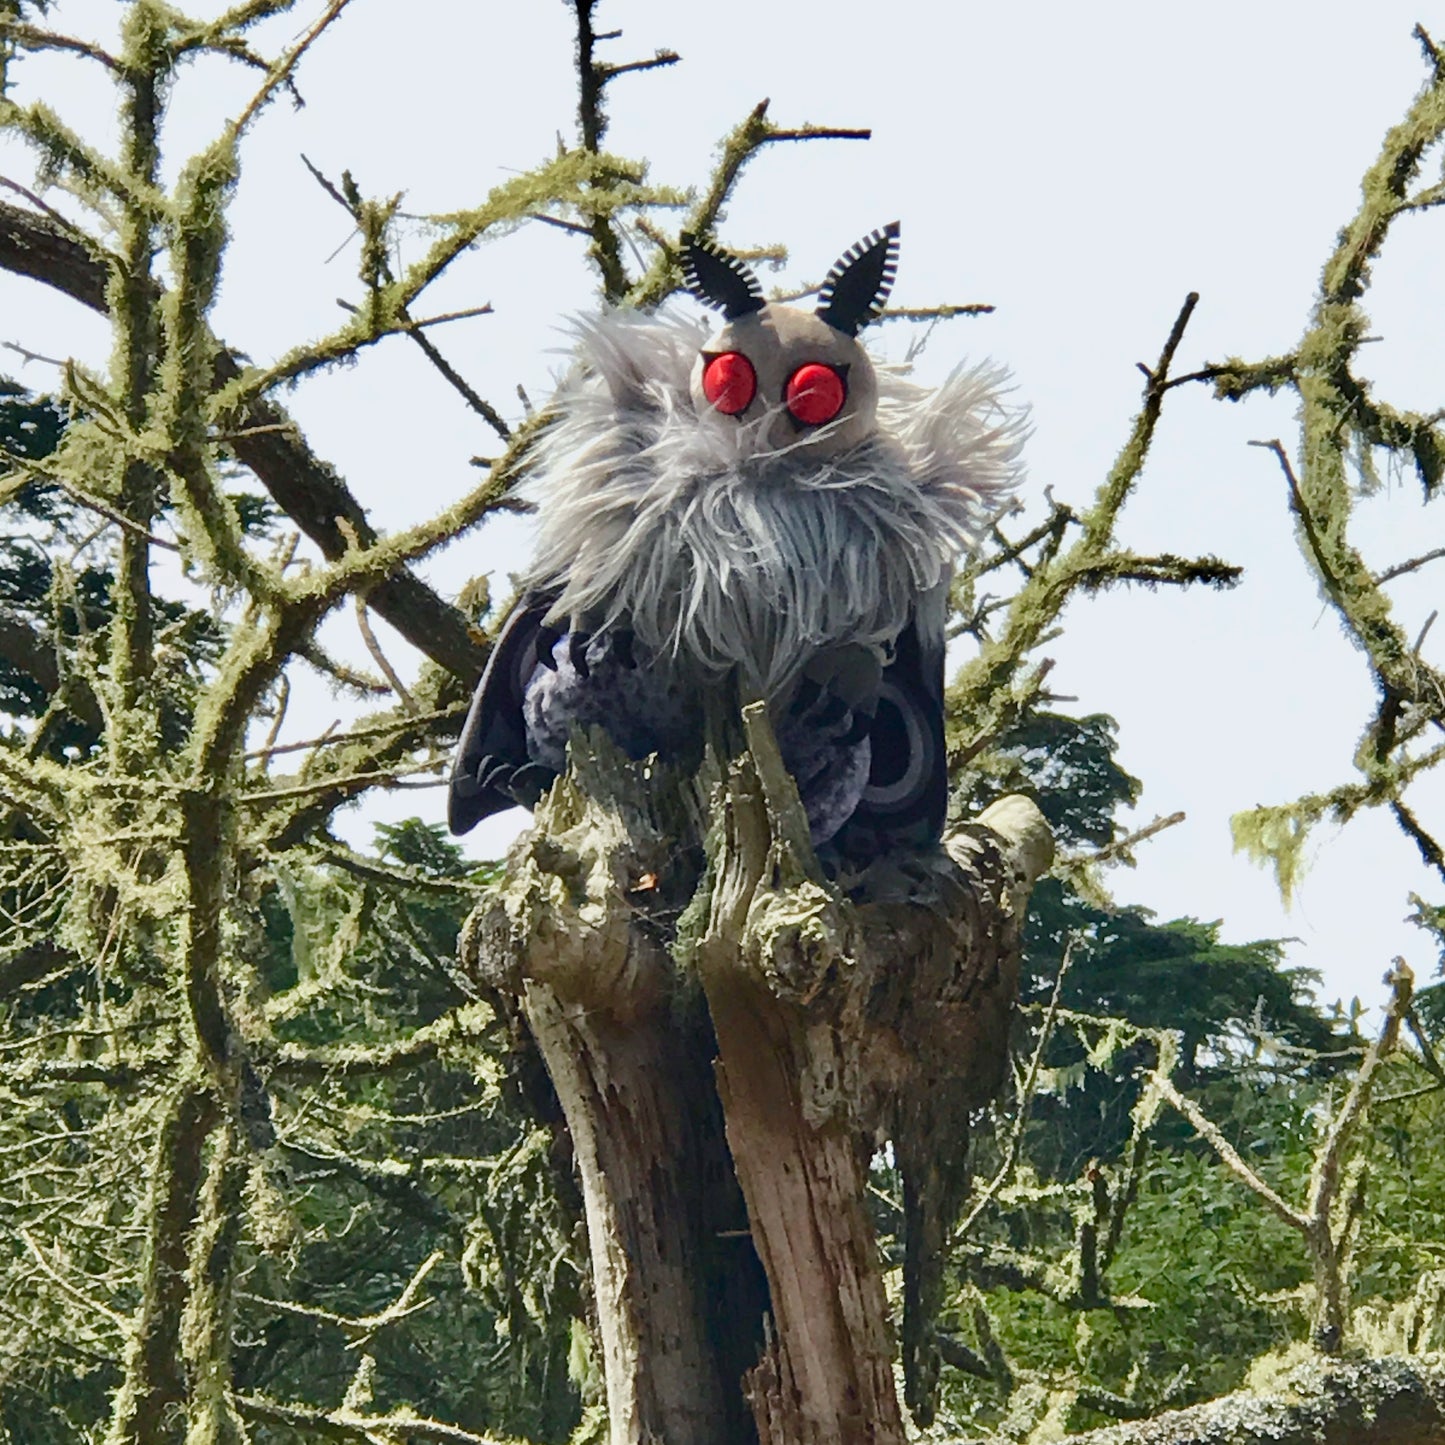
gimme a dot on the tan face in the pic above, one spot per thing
(814, 383)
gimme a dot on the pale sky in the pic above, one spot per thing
(1081, 167)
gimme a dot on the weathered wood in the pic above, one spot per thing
(1389, 1401)
(838, 1017)
(573, 934)
(629, 1135)
(788, 1077)
(829, 1011)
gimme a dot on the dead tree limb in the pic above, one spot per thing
(577, 934)
(1391, 1401)
(833, 1016)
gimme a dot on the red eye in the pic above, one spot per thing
(815, 393)
(729, 382)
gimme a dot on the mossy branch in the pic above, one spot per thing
(350, 1426)
(997, 685)
(1125, 567)
(233, 22)
(1277, 834)
(1339, 414)
(66, 159)
(462, 1026)
(664, 276)
(562, 181)
(1371, 1402)
(593, 77)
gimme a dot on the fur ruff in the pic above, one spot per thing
(724, 551)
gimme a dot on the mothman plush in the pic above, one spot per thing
(761, 509)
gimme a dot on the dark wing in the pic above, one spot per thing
(492, 752)
(906, 798)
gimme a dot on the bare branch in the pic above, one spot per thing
(350, 783)
(27, 355)
(936, 313)
(1229, 1156)
(1021, 1109)
(660, 60)
(473, 398)
(1120, 846)
(379, 657)
(30, 37)
(1413, 565)
(379, 730)
(285, 68)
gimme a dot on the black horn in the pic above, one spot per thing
(718, 279)
(858, 285)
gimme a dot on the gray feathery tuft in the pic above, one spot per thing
(724, 551)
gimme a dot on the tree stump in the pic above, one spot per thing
(663, 977)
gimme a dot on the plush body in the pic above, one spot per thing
(683, 548)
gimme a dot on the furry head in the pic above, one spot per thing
(802, 372)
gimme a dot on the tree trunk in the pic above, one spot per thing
(836, 1020)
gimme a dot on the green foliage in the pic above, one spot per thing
(1431, 1005)
(381, 1158)
(1066, 765)
(30, 427)
(1200, 1281)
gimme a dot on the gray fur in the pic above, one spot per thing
(724, 550)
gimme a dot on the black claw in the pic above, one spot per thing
(861, 726)
(494, 774)
(530, 781)
(833, 710)
(815, 773)
(808, 692)
(547, 639)
(577, 652)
